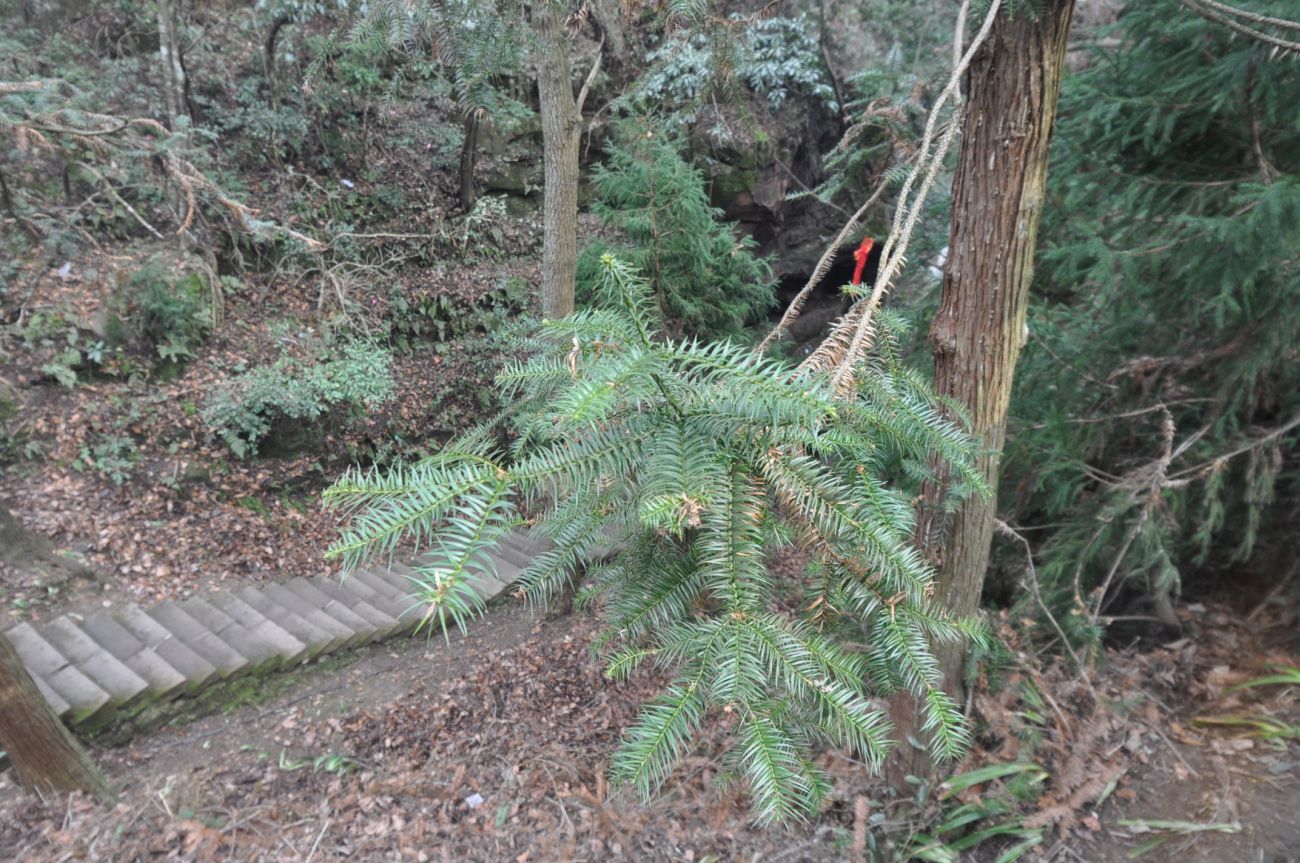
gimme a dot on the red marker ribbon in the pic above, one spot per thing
(860, 255)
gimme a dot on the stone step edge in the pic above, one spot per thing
(410, 620)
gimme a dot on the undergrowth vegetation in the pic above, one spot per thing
(247, 408)
(1159, 397)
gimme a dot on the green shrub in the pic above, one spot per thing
(775, 58)
(439, 317)
(707, 283)
(162, 308)
(245, 410)
(669, 471)
(111, 456)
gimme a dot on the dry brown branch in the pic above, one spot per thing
(819, 272)
(111, 138)
(1253, 17)
(8, 88)
(1032, 579)
(112, 193)
(1206, 10)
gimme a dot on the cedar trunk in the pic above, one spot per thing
(46, 757)
(561, 134)
(1012, 87)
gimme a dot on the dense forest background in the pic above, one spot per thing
(248, 248)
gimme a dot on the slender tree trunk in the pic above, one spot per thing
(468, 158)
(169, 49)
(46, 757)
(561, 133)
(268, 55)
(977, 334)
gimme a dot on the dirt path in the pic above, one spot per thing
(493, 746)
(1243, 794)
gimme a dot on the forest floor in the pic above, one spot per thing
(493, 747)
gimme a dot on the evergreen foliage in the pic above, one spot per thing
(668, 470)
(476, 42)
(1158, 400)
(705, 281)
(243, 411)
(773, 57)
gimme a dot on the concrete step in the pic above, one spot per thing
(164, 679)
(340, 634)
(512, 554)
(226, 659)
(158, 638)
(109, 673)
(314, 639)
(383, 622)
(523, 542)
(52, 698)
(485, 584)
(291, 648)
(311, 594)
(261, 653)
(376, 582)
(85, 699)
(84, 668)
(400, 576)
(489, 586)
(395, 608)
(508, 571)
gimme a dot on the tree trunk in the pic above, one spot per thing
(169, 49)
(976, 336)
(46, 757)
(468, 158)
(561, 133)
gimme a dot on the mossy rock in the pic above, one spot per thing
(726, 183)
(515, 177)
(292, 437)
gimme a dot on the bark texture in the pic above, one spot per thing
(46, 757)
(468, 159)
(169, 49)
(561, 134)
(1012, 87)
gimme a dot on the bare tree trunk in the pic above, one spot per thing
(268, 55)
(977, 334)
(46, 757)
(169, 48)
(561, 133)
(468, 158)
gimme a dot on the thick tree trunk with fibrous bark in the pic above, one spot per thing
(1012, 88)
(561, 134)
(45, 756)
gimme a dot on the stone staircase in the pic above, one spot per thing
(113, 664)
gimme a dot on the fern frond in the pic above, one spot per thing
(732, 547)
